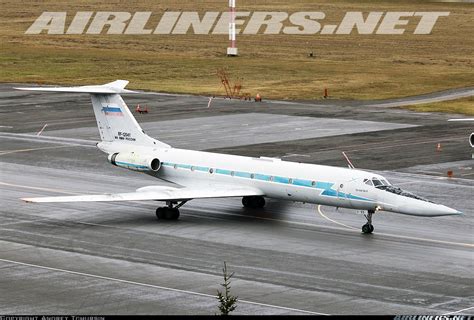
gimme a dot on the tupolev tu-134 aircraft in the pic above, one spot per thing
(199, 175)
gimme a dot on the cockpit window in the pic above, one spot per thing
(376, 182)
(401, 192)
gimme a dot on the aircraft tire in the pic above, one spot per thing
(259, 202)
(367, 228)
(160, 213)
(165, 213)
(173, 214)
(254, 202)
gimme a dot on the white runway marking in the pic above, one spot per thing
(155, 286)
(31, 149)
(48, 139)
(295, 155)
(42, 129)
(36, 188)
(454, 312)
(336, 222)
(209, 103)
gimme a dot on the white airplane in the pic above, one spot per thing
(471, 137)
(200, 175)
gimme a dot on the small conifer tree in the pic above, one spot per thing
(227, 302)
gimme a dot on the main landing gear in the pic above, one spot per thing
(254, 202)
(368, 228)
(171, 212)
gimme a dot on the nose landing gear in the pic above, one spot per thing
(171, 212)
(368, 228)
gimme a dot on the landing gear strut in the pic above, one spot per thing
(170, 212)
(368, 228)
(254, 202)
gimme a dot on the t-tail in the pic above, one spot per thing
(116, 124)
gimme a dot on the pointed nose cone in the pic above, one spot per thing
(447, 211)
(425, 209)
(438, 210)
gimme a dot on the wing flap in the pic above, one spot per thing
(158, 193)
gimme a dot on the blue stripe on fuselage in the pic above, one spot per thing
(325, 186)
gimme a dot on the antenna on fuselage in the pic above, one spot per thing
(349, 163)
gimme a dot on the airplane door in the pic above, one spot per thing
(349, 189)
(345, 190)
(341, 194)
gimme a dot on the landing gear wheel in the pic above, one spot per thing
(254, 202)
(259, 202)
(160, 213)
(166, 213)
(172, 214)
(176, 215)
(368, 228)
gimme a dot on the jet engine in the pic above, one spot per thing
(134, 161)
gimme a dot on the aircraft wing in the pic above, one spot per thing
(159, 193)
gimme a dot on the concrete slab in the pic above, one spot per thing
(110, 258)
(278, 254)
(241, 129)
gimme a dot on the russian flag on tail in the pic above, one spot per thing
(111, 110)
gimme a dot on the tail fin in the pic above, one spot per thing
(114, 119)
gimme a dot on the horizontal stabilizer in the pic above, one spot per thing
(116, 87)
(158, 193)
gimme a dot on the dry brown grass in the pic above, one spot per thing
(353, 67)
(461, 106)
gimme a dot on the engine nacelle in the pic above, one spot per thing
(471, 140)
(134, 161)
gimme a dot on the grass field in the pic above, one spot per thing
(461, 106)
(277, 66)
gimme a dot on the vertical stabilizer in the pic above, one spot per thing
(114, 119)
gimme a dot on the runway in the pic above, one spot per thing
(289, 258)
